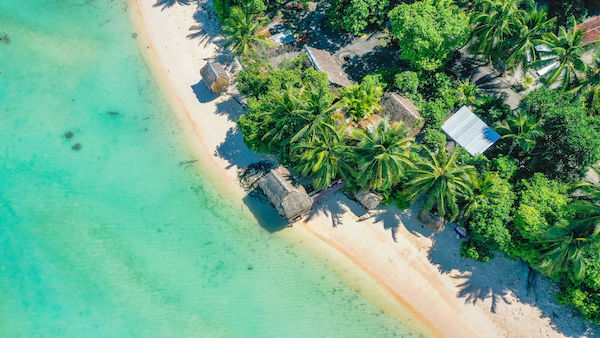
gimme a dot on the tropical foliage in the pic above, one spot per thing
(242, 31)
(428, 31)
(383, 155)
(355, 16)
(522, 130)
(361, 100)
(441, 179)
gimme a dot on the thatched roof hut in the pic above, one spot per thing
(215, 77)
(400, 108)
(325, 62)
(290, 200)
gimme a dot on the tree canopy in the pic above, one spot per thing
(429, 31)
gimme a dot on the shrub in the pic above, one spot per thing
(434, 139)
(354, 16)
(470, 249)
(505, 166)
(434, 113)
(223, 7)
(541, 205)
(407, 83)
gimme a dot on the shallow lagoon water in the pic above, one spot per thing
(104, 228)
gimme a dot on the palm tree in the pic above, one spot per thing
(360, 101)
(493, 23)
(522, 129)
(567, 245)
(241, 30)
(521, 47)
(283, 112)
(481, 188)
(318, 104)
(323, 159)
(383, 155)
(565, 52)
(440, 177)
(589, 88)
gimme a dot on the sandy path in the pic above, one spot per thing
(400, 270)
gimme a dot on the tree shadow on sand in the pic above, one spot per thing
(334, 206)
(234, 150)
(208, 27)
(501, 279)
(170, 3)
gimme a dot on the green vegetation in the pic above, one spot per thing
(521, 199)
(241, 30)
(355, 16)
(429, 31)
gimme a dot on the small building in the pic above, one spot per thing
(400, 108)
(215, 77)
(469, 131)
(290, 200)
(325, 62)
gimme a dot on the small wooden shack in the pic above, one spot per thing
(215, 77)
(400, 108)
(290, 200)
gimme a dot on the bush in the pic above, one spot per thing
(434, 113)
(434, 139)
(354, 16)
(541, 205)
(505, 166)
(470, 249)
(407, 83)
(429, 31)
(488, 224)
(223, 7)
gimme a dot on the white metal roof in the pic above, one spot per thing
(466, 129)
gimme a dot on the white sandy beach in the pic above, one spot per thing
(420, 271)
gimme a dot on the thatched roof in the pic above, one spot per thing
(325, 62)
(215, 77)
(400, 108)
(289, 199)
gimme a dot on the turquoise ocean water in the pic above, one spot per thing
(119, 238)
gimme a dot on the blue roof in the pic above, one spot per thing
(469, 131)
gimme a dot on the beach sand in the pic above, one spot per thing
(388, 255)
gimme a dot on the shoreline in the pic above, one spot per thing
(396, 274)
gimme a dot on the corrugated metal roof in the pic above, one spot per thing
(466, 129)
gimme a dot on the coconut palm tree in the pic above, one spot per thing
(360, 101)
(323, 158)
(442, 179)
(383, 155)
(521, 46)
(522, 129)
(317, 103)
(589, 88)
(241, 30)
(481, 188)
(493, 23)
(566, 246)
(283, 112)
(565, 52)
